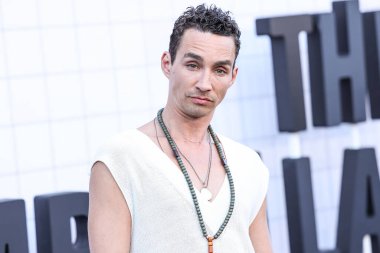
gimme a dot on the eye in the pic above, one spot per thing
(192, 66)
(220, 71)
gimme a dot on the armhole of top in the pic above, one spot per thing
(264, 173)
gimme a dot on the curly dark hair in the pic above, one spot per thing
(206, 19)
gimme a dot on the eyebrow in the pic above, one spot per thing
(194, 56)
(222, 63)
(199, 58)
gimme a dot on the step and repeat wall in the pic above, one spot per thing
(75, 72)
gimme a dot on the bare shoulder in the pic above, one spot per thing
(109, 218)
(103, 187)
(100, 174)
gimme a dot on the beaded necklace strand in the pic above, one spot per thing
(190, 184)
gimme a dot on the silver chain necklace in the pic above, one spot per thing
(205, 192)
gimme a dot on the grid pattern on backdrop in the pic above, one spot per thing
(73, 73)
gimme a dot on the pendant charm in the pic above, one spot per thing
(210, 244)
(206, 194)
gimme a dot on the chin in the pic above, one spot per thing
(197, 111)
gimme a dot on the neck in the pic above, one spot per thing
(183, 127)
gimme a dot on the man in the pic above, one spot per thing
(173, 185)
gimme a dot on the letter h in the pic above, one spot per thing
(337, 66)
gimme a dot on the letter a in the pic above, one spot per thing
(359, 212)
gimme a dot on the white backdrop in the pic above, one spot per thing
(74, 72)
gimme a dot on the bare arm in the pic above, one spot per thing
(259, 233)
(109, 218)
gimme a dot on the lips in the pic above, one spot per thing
(200, 100)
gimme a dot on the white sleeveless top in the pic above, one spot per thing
(164, 219)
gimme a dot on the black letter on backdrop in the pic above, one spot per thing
(372, 48)
(13, 230)
(53, 213)
(359, 212)
(300, 206)
(337, 66)
(283, 32)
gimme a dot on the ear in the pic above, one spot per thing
(166, 63)
(234, 75)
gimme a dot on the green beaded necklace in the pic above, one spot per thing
(218, 145)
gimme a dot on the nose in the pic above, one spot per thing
(204, 83)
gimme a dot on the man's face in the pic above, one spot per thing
(201, 73)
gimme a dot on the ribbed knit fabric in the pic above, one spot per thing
(163, 215)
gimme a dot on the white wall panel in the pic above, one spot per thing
(73, 73)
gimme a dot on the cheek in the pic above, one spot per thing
(224, 80)
(220, 93)
(190, 76)
(186, 80)
(176, 81)
(222, 85)
(223, 93)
